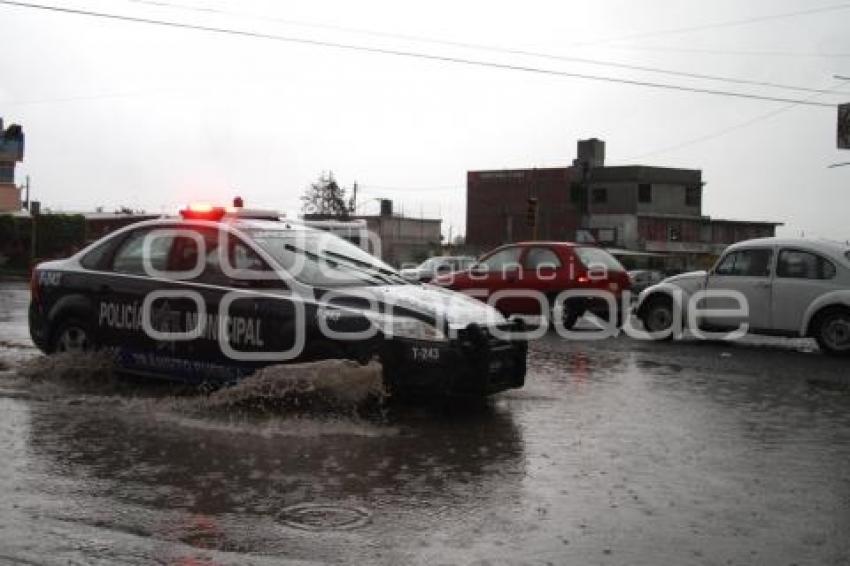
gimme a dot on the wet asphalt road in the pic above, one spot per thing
(615, 452)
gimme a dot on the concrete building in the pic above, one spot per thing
(654, 211)
(11, 153)
(403, 239)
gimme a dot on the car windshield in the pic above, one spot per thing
(321, 259)
(596, 257)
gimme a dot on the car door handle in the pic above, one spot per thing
(763, 284)
(104, 289)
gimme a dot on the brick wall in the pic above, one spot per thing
(497, 205)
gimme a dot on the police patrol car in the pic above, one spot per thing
(212, 295)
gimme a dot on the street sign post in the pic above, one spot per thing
(843, 137)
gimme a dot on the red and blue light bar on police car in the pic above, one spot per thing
(203, 211)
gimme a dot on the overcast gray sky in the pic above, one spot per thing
(120, 113)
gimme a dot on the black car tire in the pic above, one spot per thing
(72, 335)
(832, 332)
(569, 315)
(657, 315)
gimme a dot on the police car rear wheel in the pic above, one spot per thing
(72, 336)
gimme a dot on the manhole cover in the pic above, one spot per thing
(322, 517)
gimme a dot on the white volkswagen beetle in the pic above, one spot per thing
(792, 287)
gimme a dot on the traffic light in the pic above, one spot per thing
(531, 217)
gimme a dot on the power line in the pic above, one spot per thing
(408, 54)
(485, 47)
(715, 134)
(717, 25)
(721, 132)
(731, 52)
(646, 34)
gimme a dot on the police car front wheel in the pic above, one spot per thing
(72, 335)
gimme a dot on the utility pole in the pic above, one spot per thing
(27, 190)
(842, 134)
(35, 211)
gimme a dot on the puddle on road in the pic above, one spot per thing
(11, 345)
(323, 517)
(82, 370)
(326, 385)
(653, 366)
(320, 398)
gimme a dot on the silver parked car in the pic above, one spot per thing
(791, 286)
(437, 265)
(643, 278)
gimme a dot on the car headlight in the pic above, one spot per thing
(406, 327)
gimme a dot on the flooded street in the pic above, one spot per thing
(615, 452)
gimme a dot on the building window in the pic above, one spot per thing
(644, 192)
(7, 173)
(674, 233)
(693, 195)
(600, 196)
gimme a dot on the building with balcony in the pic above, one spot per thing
(654, 212)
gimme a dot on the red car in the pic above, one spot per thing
(547, 267)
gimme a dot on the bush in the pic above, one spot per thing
(57, 235)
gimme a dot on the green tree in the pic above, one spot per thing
(326, 197)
